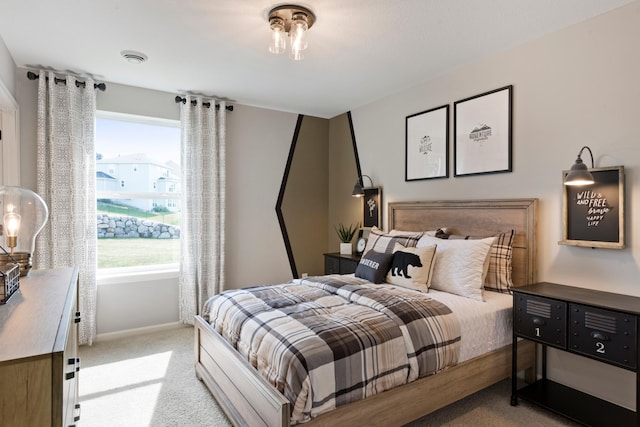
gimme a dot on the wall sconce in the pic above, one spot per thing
(293, 22)
(358, 190)
(579, 173)
(24, 215)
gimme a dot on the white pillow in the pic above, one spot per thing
(460, 265)
(412, 267)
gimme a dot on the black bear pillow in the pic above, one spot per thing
(412, 267)
(373, 266)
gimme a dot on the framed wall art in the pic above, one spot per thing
(593, 215)
(427, 144)
(372, 210)
(483, 133)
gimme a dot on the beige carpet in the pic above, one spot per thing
(149, 380)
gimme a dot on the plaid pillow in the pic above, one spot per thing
(498, 276)
(499, 273)
(385, 242)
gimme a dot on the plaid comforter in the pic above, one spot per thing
(329, 340)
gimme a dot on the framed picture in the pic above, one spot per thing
(427, 144)
(482, 126)
(372, 212)
(593, 215)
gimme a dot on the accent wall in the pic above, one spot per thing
(576, 87)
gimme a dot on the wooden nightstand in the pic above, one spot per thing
(337, 263)
(599, 325)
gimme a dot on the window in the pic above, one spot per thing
(138, 223)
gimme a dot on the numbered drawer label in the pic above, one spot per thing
(541, 319)
(606, 335)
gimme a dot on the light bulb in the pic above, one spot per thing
(11, 224)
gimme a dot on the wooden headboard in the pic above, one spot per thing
(479, 218)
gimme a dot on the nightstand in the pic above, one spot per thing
(599, 325)
(337, 263)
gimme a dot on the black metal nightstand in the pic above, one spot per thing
(595, 324)
(337, 263)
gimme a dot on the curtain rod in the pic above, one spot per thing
(100, 86)
(204, 104)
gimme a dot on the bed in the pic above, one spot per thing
(248, 399)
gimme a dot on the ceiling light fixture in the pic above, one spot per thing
(293, 22)
(133, 56)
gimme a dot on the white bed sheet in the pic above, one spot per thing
(484, 325)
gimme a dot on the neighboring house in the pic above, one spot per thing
(139, 174)
(105, 182)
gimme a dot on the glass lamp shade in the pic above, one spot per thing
(278, 43)
(24, 215)
(298, 34)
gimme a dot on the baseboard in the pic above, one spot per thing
(139, 331)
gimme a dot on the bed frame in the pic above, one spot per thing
(249, 400)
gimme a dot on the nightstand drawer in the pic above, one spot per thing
(603, 334)
(331, 265)
(541, 319)
(336, 263)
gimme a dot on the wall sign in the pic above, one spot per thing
(593, 215)
(372, 209)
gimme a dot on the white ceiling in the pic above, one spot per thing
(359, 50)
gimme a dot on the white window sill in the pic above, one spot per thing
(114, 276)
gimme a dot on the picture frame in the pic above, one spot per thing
(483, 133)
(593, 215)
(372, 207)
(427, 144)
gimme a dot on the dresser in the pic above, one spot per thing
(38, 351)
(599, 325)
(337, 263)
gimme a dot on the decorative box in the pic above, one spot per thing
(10, 275)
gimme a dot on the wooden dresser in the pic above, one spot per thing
(38, 351)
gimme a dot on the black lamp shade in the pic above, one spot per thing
(358, 191)
(579, 174)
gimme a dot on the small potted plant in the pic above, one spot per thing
(346, 235)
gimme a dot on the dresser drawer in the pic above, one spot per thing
(541, 319)
(603, 334)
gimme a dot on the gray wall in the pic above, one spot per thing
(577, 87)
(7, 69)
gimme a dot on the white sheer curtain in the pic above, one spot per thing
(203, 204)
(66, 181)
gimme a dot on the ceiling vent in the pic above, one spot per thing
(133, 56)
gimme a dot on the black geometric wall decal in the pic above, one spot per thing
(283, 186)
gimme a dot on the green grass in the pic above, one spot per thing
(171, 218)
(136, 252)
